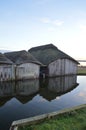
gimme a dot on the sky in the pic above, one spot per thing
(29, 23)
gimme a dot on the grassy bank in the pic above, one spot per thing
(73, 120)
(82, 70)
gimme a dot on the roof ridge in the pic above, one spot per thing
(43, 47)
(22, 56)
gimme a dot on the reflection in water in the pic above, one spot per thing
(24, 91)
(7, 89)
(29, 98)
(53, 87)
(25, 88)
(63, 84)
(21, 90)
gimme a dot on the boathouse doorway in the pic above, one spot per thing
(44, 72)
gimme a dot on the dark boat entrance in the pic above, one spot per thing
(44, 72)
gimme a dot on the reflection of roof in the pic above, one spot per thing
(49, 53)
(19, 57)
(4, 59)
(4, 100)
(25, 99)
(48, 95)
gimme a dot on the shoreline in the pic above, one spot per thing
(38, 119)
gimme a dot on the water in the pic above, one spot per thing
(33, 97)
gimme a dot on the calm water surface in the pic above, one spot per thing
(33, 97)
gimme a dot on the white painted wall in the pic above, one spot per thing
(7, 72)
(70, 67)
(62, 67)
(55, 68)
(27, 71)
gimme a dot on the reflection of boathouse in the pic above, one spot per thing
(56, 62)
(24, 91)
(25, 88)
(58, 86)
(62, 84)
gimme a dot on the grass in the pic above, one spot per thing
(74, 120)
(82, 70)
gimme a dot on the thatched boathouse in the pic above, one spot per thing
(56, 62)
(27, 66)
(6, 68)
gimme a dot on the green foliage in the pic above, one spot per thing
(82, 70)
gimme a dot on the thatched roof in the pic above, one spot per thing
(4, 59)
(19, 57)
(49, 53)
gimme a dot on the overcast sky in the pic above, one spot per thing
(28, 23)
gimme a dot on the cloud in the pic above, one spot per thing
(52, 22)
(57, 22)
